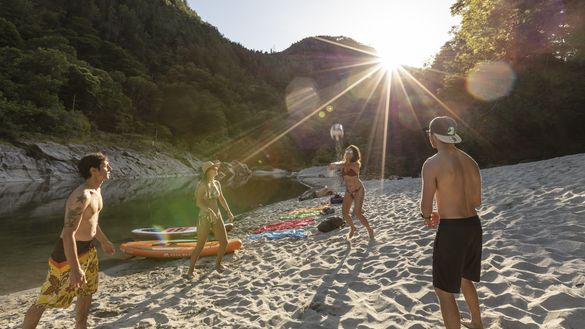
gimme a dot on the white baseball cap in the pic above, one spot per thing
(445, 129)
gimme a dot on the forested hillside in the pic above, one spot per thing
(543, 44)
(70, 68)
(154, 71)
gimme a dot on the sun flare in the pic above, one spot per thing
(388, 60)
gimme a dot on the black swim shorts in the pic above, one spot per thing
(58, 254)
(457, 253)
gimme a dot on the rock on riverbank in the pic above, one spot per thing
(30, 161)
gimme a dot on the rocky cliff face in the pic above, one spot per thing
(31, 161)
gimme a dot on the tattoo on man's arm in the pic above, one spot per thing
(73, 215)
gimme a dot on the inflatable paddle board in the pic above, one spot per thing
(171, 233)
(175, 249)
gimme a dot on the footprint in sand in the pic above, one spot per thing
(106, 313)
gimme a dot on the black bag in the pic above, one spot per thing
(327, 211)
(336, 199)
(330, 224)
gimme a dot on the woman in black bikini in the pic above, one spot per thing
(207, 194)
(354, 193)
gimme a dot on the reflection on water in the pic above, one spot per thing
(31, 215)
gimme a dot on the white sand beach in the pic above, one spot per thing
(533, 267)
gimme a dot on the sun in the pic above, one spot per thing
(388, 60)
(389, 63)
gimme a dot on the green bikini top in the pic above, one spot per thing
(212, 192)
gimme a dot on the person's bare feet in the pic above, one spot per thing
(219, 268)
(352, 231)
(188, 276)
(471, 325)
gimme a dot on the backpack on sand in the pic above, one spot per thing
(336, 199)
(330, 224)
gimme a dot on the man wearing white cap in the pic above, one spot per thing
(452, 179)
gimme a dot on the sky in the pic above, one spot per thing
(409, 32)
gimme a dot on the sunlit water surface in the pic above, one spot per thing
(31, 216)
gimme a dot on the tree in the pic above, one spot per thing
(9, 35)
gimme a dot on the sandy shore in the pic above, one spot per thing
(533, 271)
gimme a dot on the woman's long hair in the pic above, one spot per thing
(204, 180)
(357, 156)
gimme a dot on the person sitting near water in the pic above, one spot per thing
(354, 193)
(316, 192)
(207, 194)
(73, 265)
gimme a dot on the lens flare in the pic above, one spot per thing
(301, 96)
(489, 81)
(381, 70)
(161, 236)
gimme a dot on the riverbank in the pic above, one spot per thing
(532, 271)
(34, 161)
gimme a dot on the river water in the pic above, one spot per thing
(31, 216)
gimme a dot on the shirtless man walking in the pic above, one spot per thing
(452, 178)
(73, 265)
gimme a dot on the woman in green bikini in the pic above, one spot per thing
(354, 188)
(207, 195)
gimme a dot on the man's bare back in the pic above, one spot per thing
(458, 183)
(452, 178)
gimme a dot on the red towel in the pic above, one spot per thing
(286, 225)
